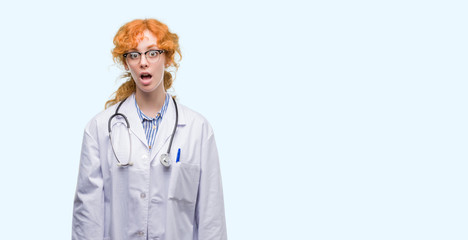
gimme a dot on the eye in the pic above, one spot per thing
(153, 53)
(133, 55)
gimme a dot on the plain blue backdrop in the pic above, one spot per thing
(333, 119)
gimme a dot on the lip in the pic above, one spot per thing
(146, 81)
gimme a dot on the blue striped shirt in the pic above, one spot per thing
(151, 125)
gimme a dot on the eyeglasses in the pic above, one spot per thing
(152, 56)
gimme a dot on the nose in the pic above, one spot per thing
(143, 61)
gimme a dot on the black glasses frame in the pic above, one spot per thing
(139, 53)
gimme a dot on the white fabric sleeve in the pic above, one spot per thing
(88, 207)
(210, 215)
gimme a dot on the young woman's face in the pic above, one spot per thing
(147, 71)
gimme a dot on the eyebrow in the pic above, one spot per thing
(152, 46)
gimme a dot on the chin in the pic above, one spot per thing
(148, 89)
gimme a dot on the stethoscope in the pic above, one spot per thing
(165, 157)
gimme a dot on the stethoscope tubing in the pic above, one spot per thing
(175, 126)
(128, 129)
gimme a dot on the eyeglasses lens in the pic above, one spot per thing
(134, 58)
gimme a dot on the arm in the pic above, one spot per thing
(209, 212)
(88, 208)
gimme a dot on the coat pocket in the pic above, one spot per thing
(184, 182)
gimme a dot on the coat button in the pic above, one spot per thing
(141, 233)
(143, 195)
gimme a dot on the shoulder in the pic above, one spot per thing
(194, 119)
(100, 120)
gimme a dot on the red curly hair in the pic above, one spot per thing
(128, 37)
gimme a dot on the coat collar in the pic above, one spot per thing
(165, 128)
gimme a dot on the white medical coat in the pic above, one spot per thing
(148, 200)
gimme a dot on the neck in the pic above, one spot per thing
(150, 103)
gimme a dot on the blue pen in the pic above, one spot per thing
(178, 156)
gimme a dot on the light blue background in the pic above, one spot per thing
(334, 119)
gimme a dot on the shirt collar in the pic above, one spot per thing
(160, 114)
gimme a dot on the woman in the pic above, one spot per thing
(140, 176)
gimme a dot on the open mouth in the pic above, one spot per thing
(145, 76)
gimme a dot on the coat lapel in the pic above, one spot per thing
(136, 127)
(165, 129)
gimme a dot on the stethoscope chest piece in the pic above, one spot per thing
(165, 160)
